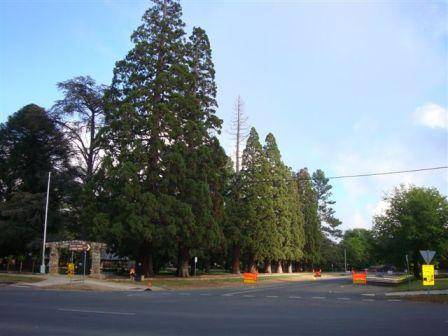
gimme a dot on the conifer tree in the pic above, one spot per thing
(309, 208)
(141, 122)
(329, 223)
(259, 216)
(161, 143)
(278, 192)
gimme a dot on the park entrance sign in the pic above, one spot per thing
(94, 248)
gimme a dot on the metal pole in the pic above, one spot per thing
(42, 267)
(85, 256)
(407, 272)
(345, 260)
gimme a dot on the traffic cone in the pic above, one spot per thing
(148, 287)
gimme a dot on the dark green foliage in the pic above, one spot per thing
(309, 208)
(359, 246)
(160, 143)
(287, 238)
(31, 145)
(329, 223)
(259, 215)
(416, 219)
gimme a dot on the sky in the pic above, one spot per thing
(348, 87)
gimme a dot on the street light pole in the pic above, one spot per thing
(42, 267)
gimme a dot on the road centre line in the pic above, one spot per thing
(370, 300)
(343, 298)
(205, 294)
(295, 297)
(319, 297)
(185, 294)
(368, 294)
(248, 296)
(94, 311)
(272, 296)
(393, 300)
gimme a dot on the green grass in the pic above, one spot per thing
(19, 278)
(417, 285)
(209, 281)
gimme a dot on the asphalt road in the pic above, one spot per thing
(332, 307)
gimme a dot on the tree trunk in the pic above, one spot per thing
(183, 266)
(267, 267)
(289, 267)
(236, 260)
(253, 267)
(145, 257)
(279, 267)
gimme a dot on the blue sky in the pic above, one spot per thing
(345, 86)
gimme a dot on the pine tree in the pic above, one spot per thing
(259, 217)
(329, 223)
(309, 208)
(31, 145)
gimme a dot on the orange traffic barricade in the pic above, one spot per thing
(250, 278)
(317, 273)
(359, 278)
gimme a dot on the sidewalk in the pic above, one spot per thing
(62, 280)
(414, 293)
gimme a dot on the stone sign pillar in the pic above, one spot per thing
(54, 259)
(95, 270)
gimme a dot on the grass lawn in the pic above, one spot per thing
(214, 281)
(19, 278)
(417, 285)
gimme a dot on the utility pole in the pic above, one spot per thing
(345, 260)
(42, 267)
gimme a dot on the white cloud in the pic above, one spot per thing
(431, 115)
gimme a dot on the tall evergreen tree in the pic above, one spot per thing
(278, 192)
(160, 141)
(309, 207)
(259, 216)
(329, 223)
(31, 145)
(141, 123)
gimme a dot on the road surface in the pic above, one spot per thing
(331, 307)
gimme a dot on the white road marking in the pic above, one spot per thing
(248, 296)
(94, 311)
(368, 294)
(318, 297)
(368, 300)
(295, 297)
(344, 298)
(185, 294)
(21, 286)
(393, 300)
(271, 296)
(205, 294)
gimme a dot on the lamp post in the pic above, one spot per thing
(42, 267)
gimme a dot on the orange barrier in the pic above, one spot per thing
(250, 278)
(359, 278)
(317, 273)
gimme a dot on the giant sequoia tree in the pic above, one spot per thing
(160, 143)
(259, 224)
(309, 208)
